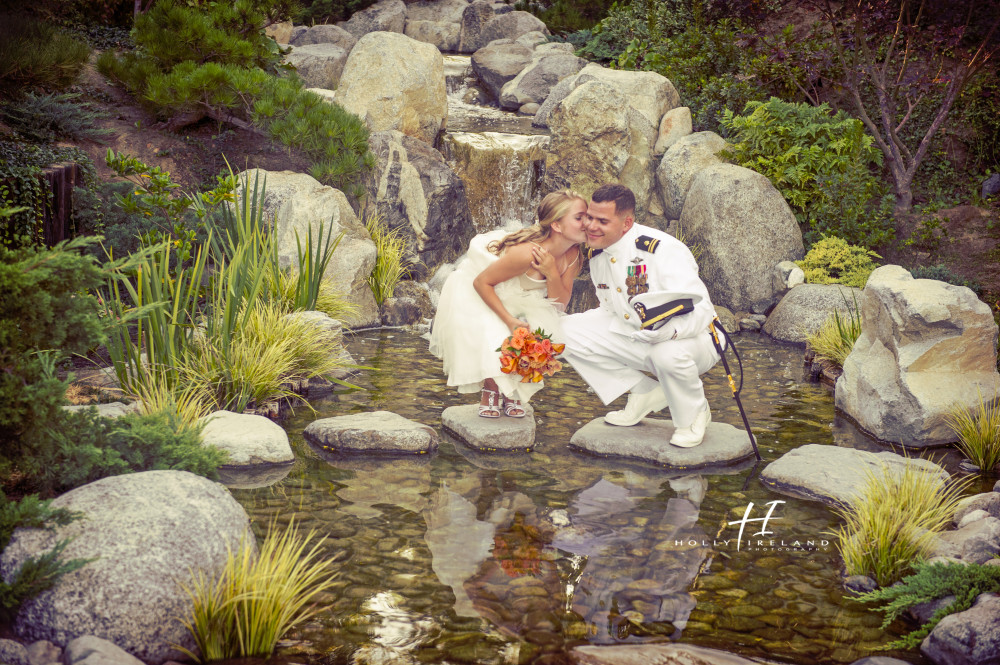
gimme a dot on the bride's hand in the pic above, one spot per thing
(514, 324)
(543, 261)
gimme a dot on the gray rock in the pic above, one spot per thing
(971, 637)
(415, 191)
(249, 440)
(325, 34)
(925, 348)
(298, 202)
(680, 164)
(787, 276)
(492, 435)
(109, 410)
(436, 10)
(803, 310)
(44, 652)
(511, 25)
(879, 660)
(145, 530)
(90, 650)
(987, 501)
(835, 475)
(281, 32)
(377, 432)
(536, 80)
(443, 35)
(660, 654)
(996, 486)
(674, 125)
(474, 19)
(556, 95)
(252, 477)
(971, 517)
(991, 186)
(499, 63)
(597, 137)
(383, 16)
(727, 319)
(318, 65)
(923, 612)
(724, 444)
(13, 653)
(749, 325)
(860, 583)
(408, 305)
(976, 542)
(745, 226)
(531, 108)
(298, 31)
(649, 93)
(539, 41)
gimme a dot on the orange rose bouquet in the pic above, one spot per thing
(532, 355)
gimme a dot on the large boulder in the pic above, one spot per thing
(511, 25)
(649, 93)
(394, 82)
(597, 137)
(971, 637)
(474, 19)
(297, 202)
(499, 63)
(925, 348)
(804, 309)
(680, 164)
(250, 440)
(535, 81)
(674, 125)
(745, 227)
(416, 192)
(144, 532)
(449, 11)
(558, 93)
(325, 34)
(383, 16)
(318, 65)
(442, 35)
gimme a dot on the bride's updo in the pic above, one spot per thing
(553, 207)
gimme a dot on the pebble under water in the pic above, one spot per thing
(460, 557)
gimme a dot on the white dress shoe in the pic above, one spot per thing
(637, 408)
(689, 437)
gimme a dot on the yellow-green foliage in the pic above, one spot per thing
(978, 433)
(33, 54)
(391, 264)
(892, 524)
(257, 599)
(330, 301)
(836, 337)
(833, 261)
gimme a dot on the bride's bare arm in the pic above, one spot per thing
(515, 261)
(559, 287)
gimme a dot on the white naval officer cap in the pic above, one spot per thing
(657, 307)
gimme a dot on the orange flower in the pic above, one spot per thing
(531, 355)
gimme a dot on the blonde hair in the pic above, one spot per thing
(553, 207)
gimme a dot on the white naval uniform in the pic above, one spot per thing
(598, 342)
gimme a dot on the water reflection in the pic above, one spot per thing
(471, 558)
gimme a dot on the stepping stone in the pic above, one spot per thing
(649, 441)
(490, 435)
(250, 440)
(375, 433)
(834, 475)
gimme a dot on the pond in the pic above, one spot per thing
(460, 557)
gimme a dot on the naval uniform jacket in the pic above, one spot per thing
(646, 259)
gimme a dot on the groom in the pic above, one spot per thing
(611, 346)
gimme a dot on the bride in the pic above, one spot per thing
(508, 281)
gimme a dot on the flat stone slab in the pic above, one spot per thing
(649, 441)
(834, 475)
(660, 654)
(490, 435)
(374, 433)
(250, 440)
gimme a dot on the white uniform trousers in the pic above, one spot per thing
(613, 363)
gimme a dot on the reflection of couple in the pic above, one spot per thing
(525, 279)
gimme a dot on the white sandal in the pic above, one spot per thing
(492, 407)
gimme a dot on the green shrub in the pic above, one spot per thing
(46, 117)
(821, 163)
(892, 524)
(256, 600)
(930, 582)
(567, 15)
(96, 212)
(833, 261)
(34, 54)
(329, 11)
(942, 273)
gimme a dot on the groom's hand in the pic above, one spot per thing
(663, 334)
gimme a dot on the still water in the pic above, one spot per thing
(459, 557)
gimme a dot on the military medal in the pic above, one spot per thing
(640, 280)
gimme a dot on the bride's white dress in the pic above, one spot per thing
(466, 333)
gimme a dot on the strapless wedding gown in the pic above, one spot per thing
(466, 333)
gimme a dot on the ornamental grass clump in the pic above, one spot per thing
(256, 600)
(892, 523)
(391, 264)
(978, 432)
(836, 337)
